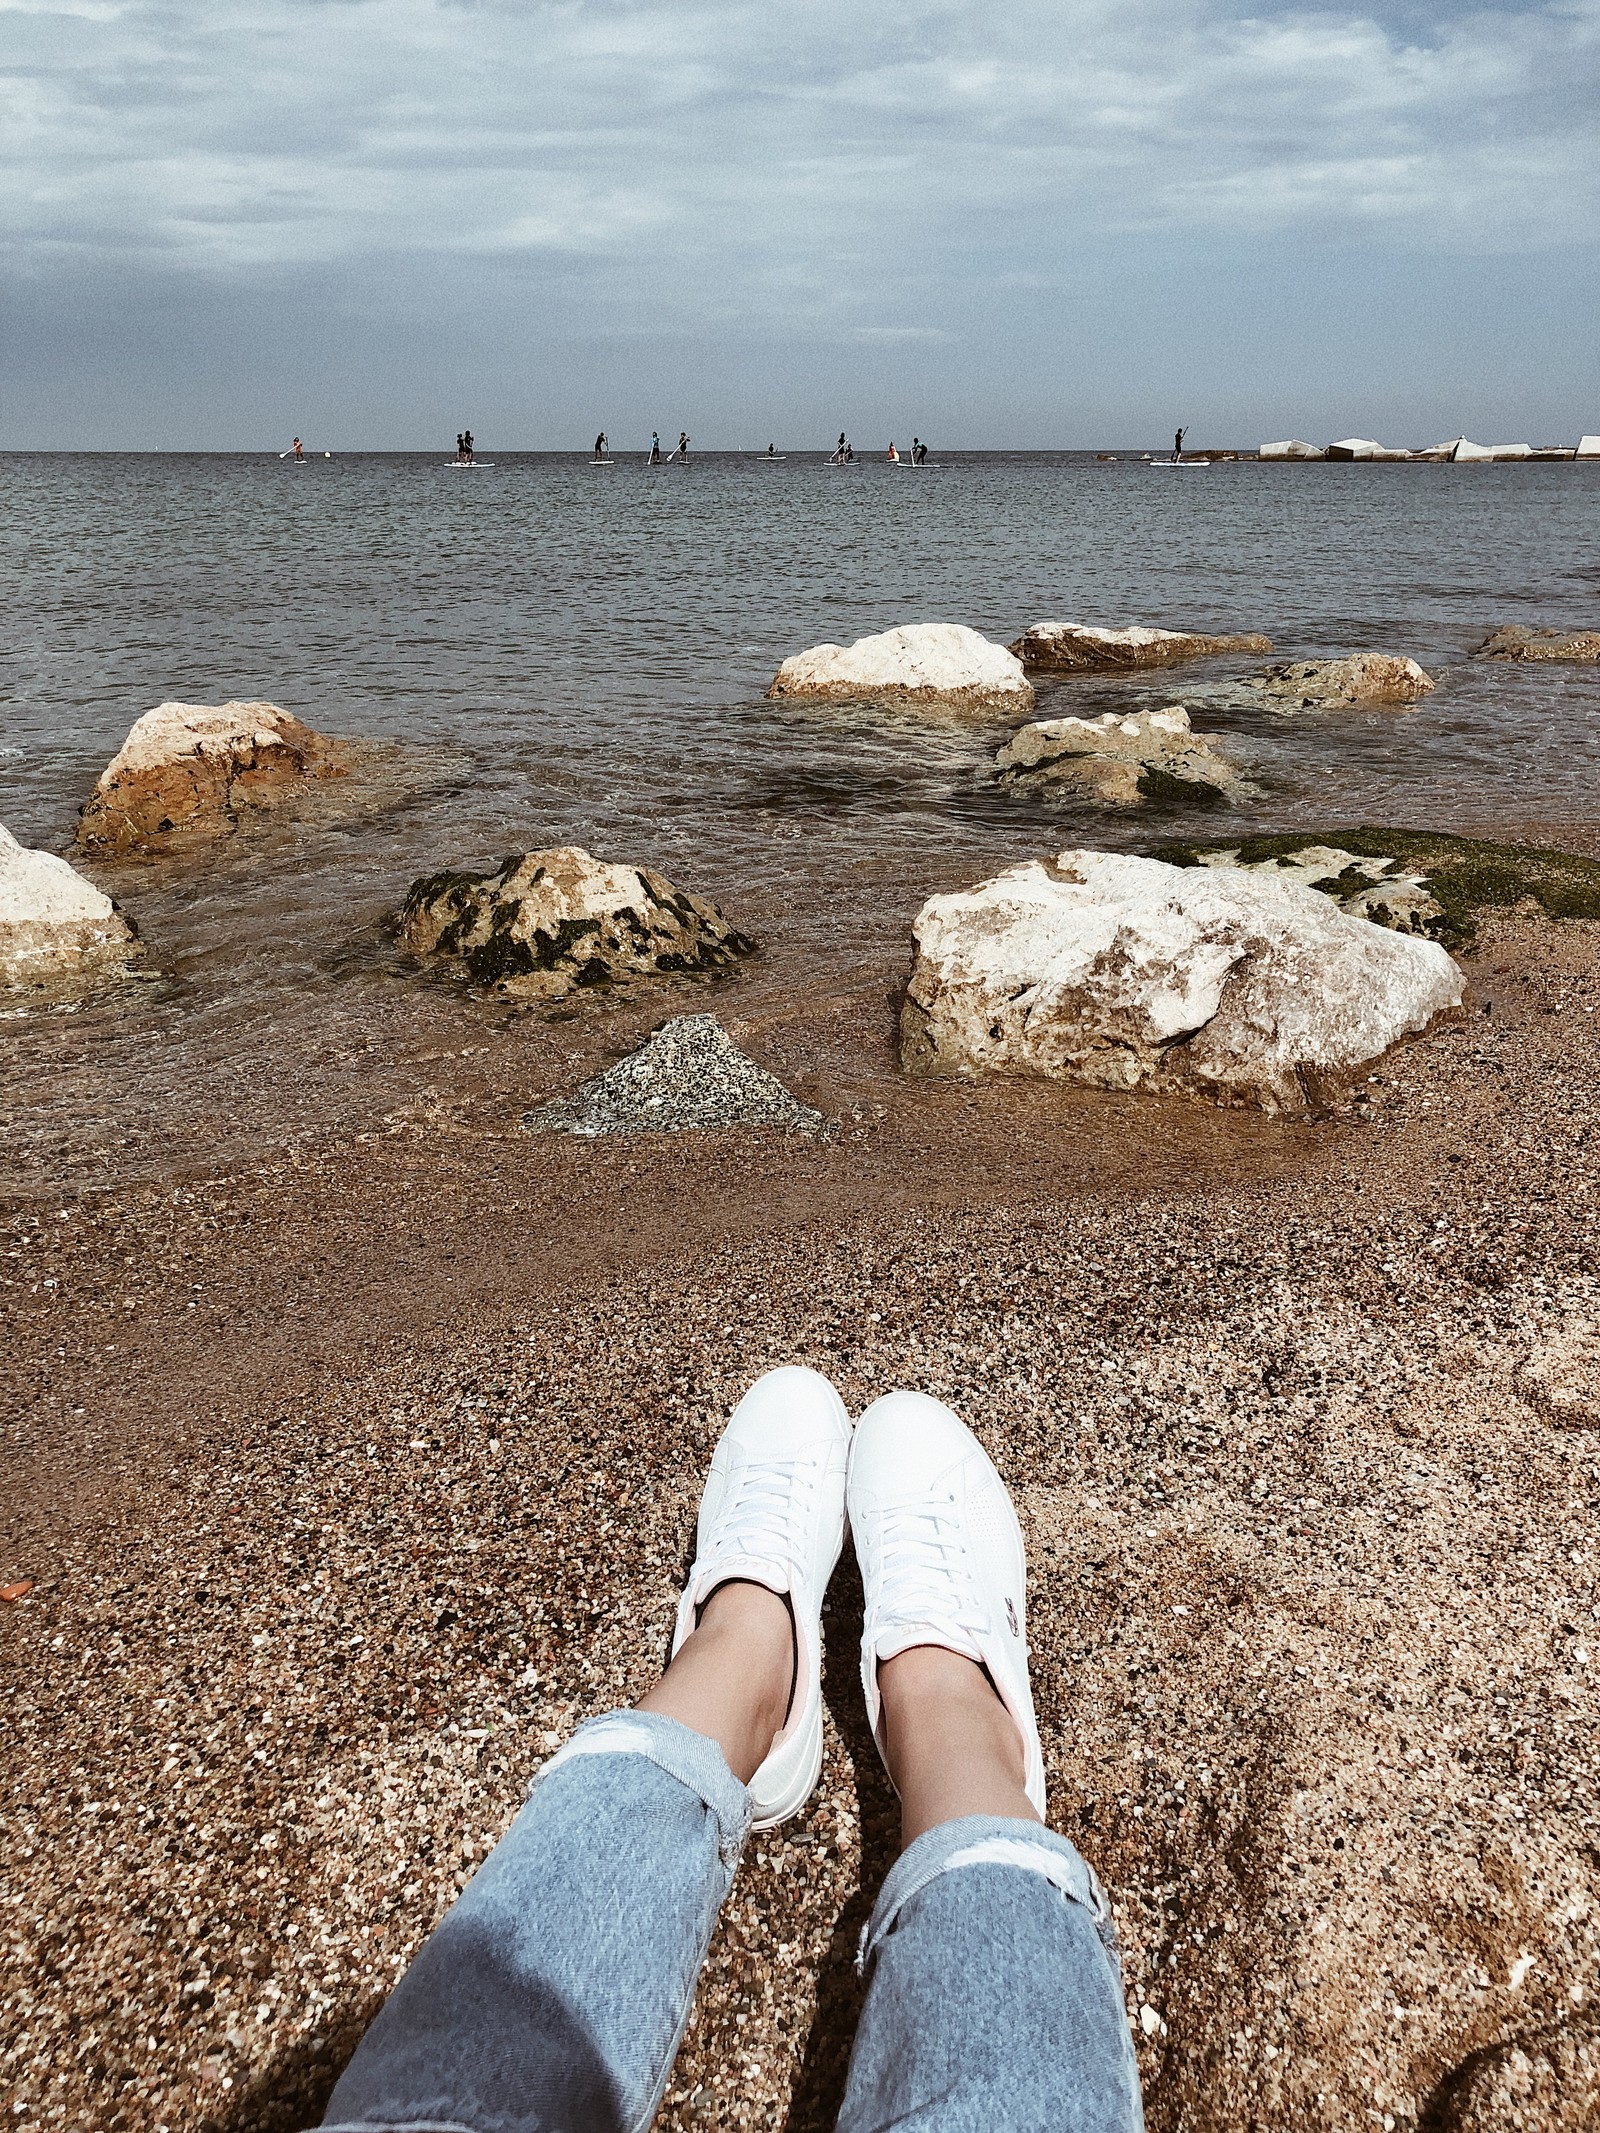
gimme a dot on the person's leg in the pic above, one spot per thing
(994, 2002)
(552, 1996)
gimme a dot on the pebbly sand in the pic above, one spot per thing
(348, 1485)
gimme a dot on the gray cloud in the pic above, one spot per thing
(855, 177)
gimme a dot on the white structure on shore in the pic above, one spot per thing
(1455, 450)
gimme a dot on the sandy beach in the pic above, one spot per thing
(347, 1484)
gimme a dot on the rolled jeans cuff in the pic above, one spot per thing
(682, 1753)
(988, 1840)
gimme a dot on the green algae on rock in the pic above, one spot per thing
(1414, 881)
(544, 923)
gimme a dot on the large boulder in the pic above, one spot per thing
(940, 664)
(55, 927)
(1127, 973)
(1291, 448)
(1079, 648)
(1328, 684)
(1126, 760)
(1576, 647)
(543, 923)
(191, 770)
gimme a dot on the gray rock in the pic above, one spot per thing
(1123, 760)
(544, 923)
(688, 1077)
(1329, 684)
(1571, 647)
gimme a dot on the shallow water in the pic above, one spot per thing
(552, 653)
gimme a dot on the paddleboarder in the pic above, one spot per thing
(655, 448)
(299, 449)
(1177, 443)
(601, 446)
(683, 445)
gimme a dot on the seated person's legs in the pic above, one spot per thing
(994, 2002)
(553, 1994)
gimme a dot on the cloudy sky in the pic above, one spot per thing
(994, 221)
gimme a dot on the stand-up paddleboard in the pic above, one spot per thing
(600, 462)
(470, 466)
(769, 459)
(1186, 464)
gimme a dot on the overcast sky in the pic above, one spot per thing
(995, 222)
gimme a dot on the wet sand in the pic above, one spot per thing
(349, 1482)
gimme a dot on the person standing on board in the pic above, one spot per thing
(840, 449)
(655, 448)
(600, 446)
(466, 448)
(683, 445)
(299, 449)
(916, 451)
(1177, 442)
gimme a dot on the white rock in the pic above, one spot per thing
(1379, 888)
(1128, 973)
(935, 663)
(1290, 448)
(1355, 448)
(55, 927)
(1588, 448)
(1362, 678)
(1466, 452)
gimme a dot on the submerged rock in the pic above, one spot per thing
(188, 770)
(55, 927)
(1127, 973)
(1417, 881)
(542, 923)
(1579, 647)
(940, 664)
(688, 1077)
(1078, 648)
(1325, 684)
(1147, 755)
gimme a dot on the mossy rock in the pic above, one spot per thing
(1465, 875)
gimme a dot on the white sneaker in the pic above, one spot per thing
(773, 1513)
(941, 1556)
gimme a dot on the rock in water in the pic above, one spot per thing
(1148, 755)
(544, 922)
(1076, 648)
(1127, 973)
(941, 664)
(689, 1077)
(55, 927)
(1325, 684)
(188, 770)
(1578, 647)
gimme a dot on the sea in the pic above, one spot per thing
(541, 651)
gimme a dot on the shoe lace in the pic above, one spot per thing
(769, 1502)
(925, 1571)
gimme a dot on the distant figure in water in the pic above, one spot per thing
(1177, 442)
(772, 451)
(464, 448)
(683, 444)
(655, 448)
(600, 446)
(892, 455)
(461, 446)
(919, 451)
(299, 449)
(841, 449)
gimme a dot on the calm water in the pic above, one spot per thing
(550, 653)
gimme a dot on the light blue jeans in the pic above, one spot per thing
(552, 1997)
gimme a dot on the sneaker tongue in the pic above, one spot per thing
(897, 1637)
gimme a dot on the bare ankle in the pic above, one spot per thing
(952, 1746)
